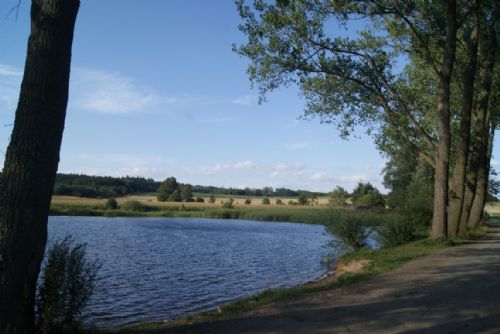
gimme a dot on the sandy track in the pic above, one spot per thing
(456, 290)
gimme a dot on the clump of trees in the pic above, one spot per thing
(338, 197)
(441, 108)
(172, 191)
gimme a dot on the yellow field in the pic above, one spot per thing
(239, 201)
(492, 208)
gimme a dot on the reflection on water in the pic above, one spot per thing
(160, 268)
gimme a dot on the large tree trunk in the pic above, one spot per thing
(31, 160)
(477, 209)
(479, 153)
(439, 217)
(458, 179)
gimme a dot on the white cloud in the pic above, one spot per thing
(9, 71)
(10, 83)
(247, 164)
(320, 176)
(113, 93)
(245, 100)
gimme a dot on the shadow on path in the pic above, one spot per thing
(452, 291)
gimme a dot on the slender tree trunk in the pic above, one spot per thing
(31, 160)
(458, 179)
(439, 218)
(487, 55)
(477, 209)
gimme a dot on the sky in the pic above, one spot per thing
(156, 91)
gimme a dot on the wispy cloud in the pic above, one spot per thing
(10, 71)
(10, 81)
(246, 100)
(113, 93)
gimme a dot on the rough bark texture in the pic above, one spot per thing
(439, 218)
(31, 160)
(481, 193)
(458, 180)
(487, 54)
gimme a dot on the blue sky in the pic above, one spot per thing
(156, 91)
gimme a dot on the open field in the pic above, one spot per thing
(493, 208)
(150, 199)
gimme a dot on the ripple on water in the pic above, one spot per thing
(161, 268)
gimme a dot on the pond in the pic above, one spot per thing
(154, 269)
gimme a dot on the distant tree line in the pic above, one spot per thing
(102, 186)
(106, 186)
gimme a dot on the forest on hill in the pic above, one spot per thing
(90, 186)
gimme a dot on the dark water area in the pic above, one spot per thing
(155, 269)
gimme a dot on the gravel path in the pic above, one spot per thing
(456, 290)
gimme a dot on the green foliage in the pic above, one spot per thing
(398, 230)
(67, 282)
(338, 197)
(248, 201)
(303, 199)
(166, 189)
(199, 199)
(134, 206)
(229, 204)
(111, 204)
(290, 202)
(211, 199)
(348, 228)
(101, 186)
(279, 202)
(175, 196)
(366, 194)
(186, 193)
(266, 201)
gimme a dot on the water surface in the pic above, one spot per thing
(156, 269)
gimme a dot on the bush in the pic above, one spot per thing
(303, 200)
(266, 201)
(398, 230)
(200, 199)
(290, 202)
(279, 202)
(134, 206)
(228, 204)
(348, 228)
(248, 201)
(211, 199)
(67, 282)
(111, 204)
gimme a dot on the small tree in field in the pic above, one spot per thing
(266, 201)
(338, 197)
(248, 201)
(111, 204)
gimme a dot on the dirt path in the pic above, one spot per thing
(456, 290)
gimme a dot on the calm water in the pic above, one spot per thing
(160, 268)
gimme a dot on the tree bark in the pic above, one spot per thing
(477, 209)
(458, 179)
(487, 55)
(439, 218)
(31, 160)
